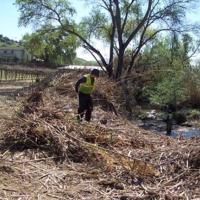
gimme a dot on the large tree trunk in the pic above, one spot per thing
(120, 64)
(109, 70)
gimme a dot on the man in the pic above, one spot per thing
(84, 87)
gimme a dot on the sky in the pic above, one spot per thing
(9, 22)
(9, 18)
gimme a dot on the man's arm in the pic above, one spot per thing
(81, 80)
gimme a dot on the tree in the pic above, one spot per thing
(54, 47)
(123, 23)
(7, 42)
(172, 76)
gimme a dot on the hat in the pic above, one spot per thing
(95, 72)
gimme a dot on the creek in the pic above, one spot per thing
(153, 121)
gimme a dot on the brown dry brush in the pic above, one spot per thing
(174, 174)
(59, 135)
(179, 170)
(70, 142)
(103, 94)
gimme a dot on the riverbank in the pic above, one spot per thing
(47, 154)
(155, 120)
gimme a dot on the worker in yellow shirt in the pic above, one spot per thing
(84, 87)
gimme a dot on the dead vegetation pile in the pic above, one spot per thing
(46, 154)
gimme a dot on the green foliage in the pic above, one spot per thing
(92, 26)
(80, 61)
(51, 45)
(156, 55)
(167, 61)
(192, 84)
(7, 42)
(169, 90)
(44, 12)
(180, 117)
(193, 114)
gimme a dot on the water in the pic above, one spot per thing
(158, 126)
(186, 132)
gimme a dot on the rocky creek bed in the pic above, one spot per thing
(155, 121)
(46, 154)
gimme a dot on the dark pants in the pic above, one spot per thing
(85, 106)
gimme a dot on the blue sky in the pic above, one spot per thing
(9, 18)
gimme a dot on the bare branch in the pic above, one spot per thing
(126, 15)
(135, 31)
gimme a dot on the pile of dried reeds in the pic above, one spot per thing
(113, 160)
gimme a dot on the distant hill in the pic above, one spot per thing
(7, 42)
(81, 61)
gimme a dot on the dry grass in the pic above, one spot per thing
(46, 154)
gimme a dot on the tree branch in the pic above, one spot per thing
(135, 31)
(126, 15)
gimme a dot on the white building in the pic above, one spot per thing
(14, 55)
